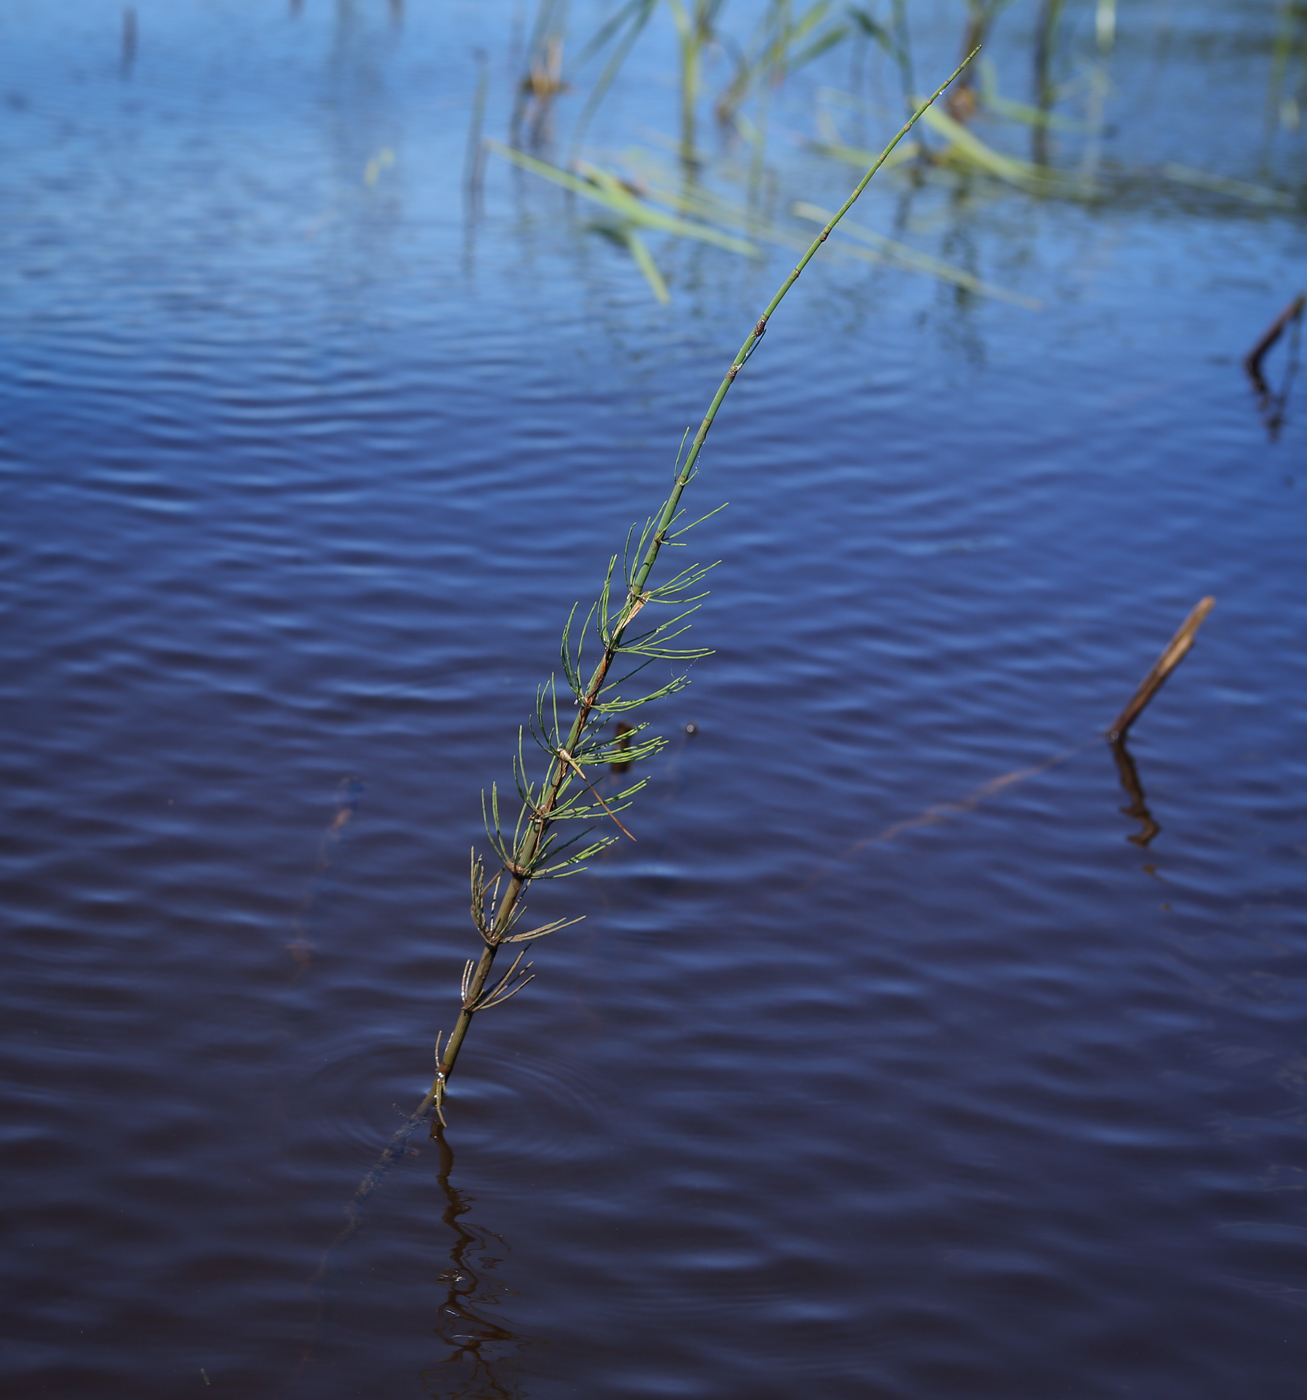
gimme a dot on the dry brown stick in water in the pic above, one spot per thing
(1253, 360)
(1176, 650)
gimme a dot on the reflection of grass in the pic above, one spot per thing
(980, 17)
(965, 152)
(1232, 189)
(606, 190)
(658, 186)
(1287, 89)
(700, 214)
(900, 255)
(966, 149)
(993, 102)
(791, 33)
(784, 43)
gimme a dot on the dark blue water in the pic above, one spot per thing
(884, 1062)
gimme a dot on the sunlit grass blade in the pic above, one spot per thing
(706, 205)
(609, 193)
(966, 148)
(644, 261)
(913, 261)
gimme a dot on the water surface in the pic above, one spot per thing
(884, 1062)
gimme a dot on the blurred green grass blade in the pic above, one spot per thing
(1019, 111)
(912, 260)
(644, 261)
(608, 192)
(706, 205)
(854, 155)
(635, 16)
(967, 147)
(966, 144)
(622, 198)
(1235, 189)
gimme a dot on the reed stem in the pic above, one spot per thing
(1045, 92)
(474, 156)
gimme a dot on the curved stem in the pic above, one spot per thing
(559, 770)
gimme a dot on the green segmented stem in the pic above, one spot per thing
(562, 766)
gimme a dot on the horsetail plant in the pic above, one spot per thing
(533, 847)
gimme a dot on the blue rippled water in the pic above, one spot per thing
(884, 1062)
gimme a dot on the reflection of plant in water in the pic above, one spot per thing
(543, 80)
(981, 14)
(698, 214)
(620, 199)
(695, 22)
(1134, 790)
(483, 1351)
(785, 42)
(1070, 90)
(1272, 403)
(1050, 12)
(1287, 92)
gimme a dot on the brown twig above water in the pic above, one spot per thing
(1174, 652)
(1176, 649)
